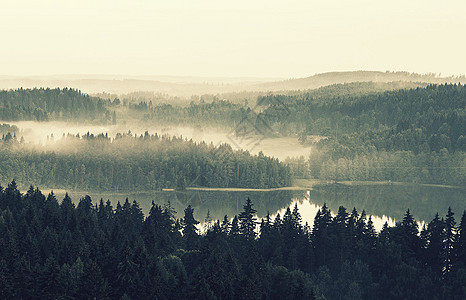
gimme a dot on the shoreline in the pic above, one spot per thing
(298, 185)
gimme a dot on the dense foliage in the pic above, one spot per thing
(362, 131)
(145, 162)
(215, 113)
(52, 104)
(415, 135)
(231, 109)
(402, 166)
(418, 120)
(52, 250)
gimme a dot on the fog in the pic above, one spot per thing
(281, 148)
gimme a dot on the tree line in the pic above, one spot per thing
(414, 135)
(419, 120)
(215, 113)
(401, 166)
(132, 162)
(231, 109)
(45, 104)
(371, 131)
(51, 249)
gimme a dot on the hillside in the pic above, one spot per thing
(187, 86)
(330, 78)
(46, 104)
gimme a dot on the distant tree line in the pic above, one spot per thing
(215, 113)
(419, 120)
(44, 104)
(372, 131)
(402, 166)
(52, 250)
(231, 109)
(145, 162)
(415, 135)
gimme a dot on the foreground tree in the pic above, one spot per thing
(189, 228)
(247, 220)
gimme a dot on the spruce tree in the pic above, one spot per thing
(449, 242)
(189, 228)
(460, 243)
(247, 220)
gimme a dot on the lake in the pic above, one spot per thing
(385, 202)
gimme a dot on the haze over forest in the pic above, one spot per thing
(188, 86)
(336, 138)
(232, 150)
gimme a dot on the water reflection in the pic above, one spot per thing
(392, 199)
(218, 203)
(383, 202)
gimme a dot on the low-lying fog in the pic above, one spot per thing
(281, 148)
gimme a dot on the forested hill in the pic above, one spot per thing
(130, 162)
(415, 135)
(227, 110)
(435, 114)
(52, 249)
(186, 87)
(330, 78)
(41, 104)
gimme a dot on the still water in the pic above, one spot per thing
(383, 202)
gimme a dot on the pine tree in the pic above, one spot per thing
(407, 235)
(247, 220)
(361, 224)
(296, 218)
(234, 226)
(277, 223)
(320, 235)
(434, 238)
(460, 246)
(189, 228)
(370, 234)
(225, 225)
(49, 280)
(449, 242)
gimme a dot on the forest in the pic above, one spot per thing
(231, 108)
(419, 120)
(131, 162)
(370, 131)
(45, 104)
(414, 135)
(53, 249)
(219, 113)
(360, 131)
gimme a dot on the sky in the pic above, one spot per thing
(241, 38)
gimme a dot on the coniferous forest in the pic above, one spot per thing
(52, 249)
(230, 150)
(131, 162)
(52, 104)
(360, 131)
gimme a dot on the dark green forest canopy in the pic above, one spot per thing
(147, 162)
(420, 120)
(216, 113)
(416, 135)
(44, 104)
(52, 249)
(230, 109)
(359, 116)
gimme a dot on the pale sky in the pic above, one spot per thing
(265, 38)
